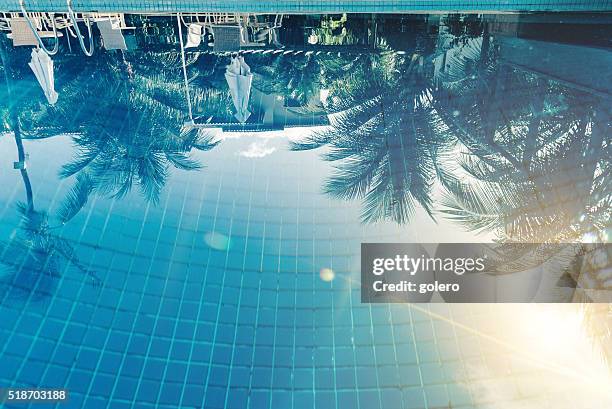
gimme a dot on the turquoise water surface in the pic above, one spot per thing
(146, 263)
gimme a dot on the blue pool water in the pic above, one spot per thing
(176, 320)
(204, 288)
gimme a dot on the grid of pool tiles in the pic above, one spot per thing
(313, 6)
(173, 312)
(178, 323)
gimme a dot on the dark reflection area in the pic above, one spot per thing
(493, 123)
(380, 138)
(533, 155)
(499, 135)
(537, 152)
(481, 120)
(132, 134)
(35, 257)
(289, 85)
(384, 136)
(125, 114)
(456, 127)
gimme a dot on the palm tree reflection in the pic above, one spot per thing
(535, 155)
(383, 139)
(531, 164)
(131, 131)
(35, 256)
(125, 114)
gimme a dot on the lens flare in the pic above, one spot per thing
(327, 274)
(217, 241)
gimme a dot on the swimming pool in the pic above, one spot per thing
(150, 264)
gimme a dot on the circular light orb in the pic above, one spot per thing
(217, 241)
(327, 274)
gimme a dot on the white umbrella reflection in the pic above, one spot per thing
(239, 78)
(42, 65)
(194, 36)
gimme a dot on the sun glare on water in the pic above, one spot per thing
(548, 359)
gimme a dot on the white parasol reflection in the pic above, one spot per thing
(239, 78)
(42, 66)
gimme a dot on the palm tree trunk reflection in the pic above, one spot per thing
(35, 256)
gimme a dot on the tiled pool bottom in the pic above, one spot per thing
(311, 6)
(178, 323)
(213, 299)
